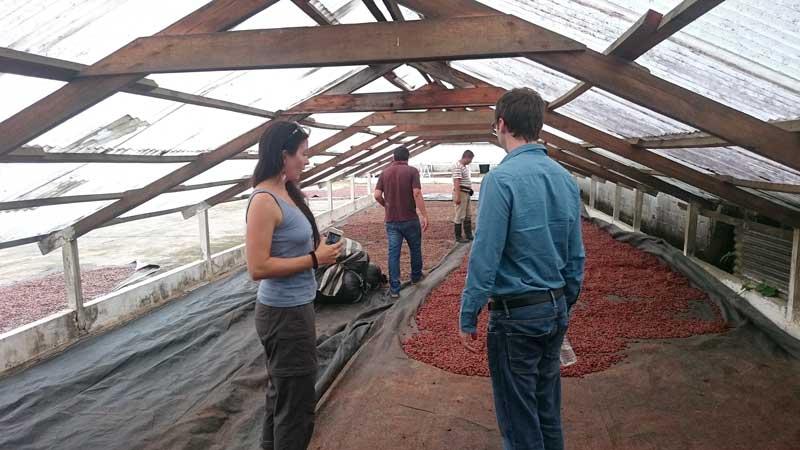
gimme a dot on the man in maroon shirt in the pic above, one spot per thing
(400, 193)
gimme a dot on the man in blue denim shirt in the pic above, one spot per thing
(528, 259)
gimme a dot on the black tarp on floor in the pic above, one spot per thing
(189, 375)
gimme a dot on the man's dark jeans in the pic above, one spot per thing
(524, 346)
(411, 231)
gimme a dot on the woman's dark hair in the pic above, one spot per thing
(282, 137)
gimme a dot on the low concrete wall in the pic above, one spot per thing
(52, 334)
(662, 216)
(32, 342)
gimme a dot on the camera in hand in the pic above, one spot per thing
(334, 236)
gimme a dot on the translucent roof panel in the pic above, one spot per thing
(743, 53)
(749, 166)
(84, 31)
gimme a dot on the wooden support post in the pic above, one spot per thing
(617, 202)
(637, 211)
(793, 304)
(330, 195)
(593, 193)
(205, 235)
(72, 277)
(690, 237)
(353, 191)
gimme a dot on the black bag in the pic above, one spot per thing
(345, 280)
(374, 277)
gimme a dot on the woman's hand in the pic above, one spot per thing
(327, 254)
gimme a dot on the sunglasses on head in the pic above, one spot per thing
(300, 128)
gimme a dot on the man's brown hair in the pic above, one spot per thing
(522, 110)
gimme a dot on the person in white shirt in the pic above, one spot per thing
(462, 192)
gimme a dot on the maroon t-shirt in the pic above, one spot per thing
(398, 182)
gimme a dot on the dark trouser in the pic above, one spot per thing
(524, 345)
(411, 231)
(289, 339)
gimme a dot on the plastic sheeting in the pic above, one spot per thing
(189, 375)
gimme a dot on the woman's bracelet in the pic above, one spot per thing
(314, 262)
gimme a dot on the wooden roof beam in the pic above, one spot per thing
(210, 159)
(37, 155)
(28, 64)
(394, 10)
(376, 151)
(650, 30)
(377, 158)
(377, 167)
(398, 42)
(700, 139)
(80, 94)
(673, 169)
(69, 199)
(625, 80)
(375, 10)
(365, 146)
(624, 169)
(398, 101)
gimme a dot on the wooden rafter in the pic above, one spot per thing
(625, 169)
(595, 169)
(376, 158)
(137, 197)
(352, 152)
(375, 10)
(385, 162)
(324, 17)
(394, 10)
(37, 155)
(632, 83)
(388, 161)
(400, 42)
(672, 168)
(700, 139)
(625, 47)
(397, 101)
(28, 64)
(309, 180)
(320, 147)
(650, 30)
(321, 17)
(338, 173)
(615, 145)
(430, 118)
(80, 94)
(68, 199)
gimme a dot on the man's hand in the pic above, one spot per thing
(468, 340)
(457, 197)
(423, 221)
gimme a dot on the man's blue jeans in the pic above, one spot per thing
(524, 347)
(411, 231)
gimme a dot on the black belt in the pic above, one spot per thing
(518, 301)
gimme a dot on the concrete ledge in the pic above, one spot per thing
(41, 339)
(773, 309)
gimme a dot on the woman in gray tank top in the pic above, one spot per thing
(283, 249)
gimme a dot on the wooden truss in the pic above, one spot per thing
(200, 42)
